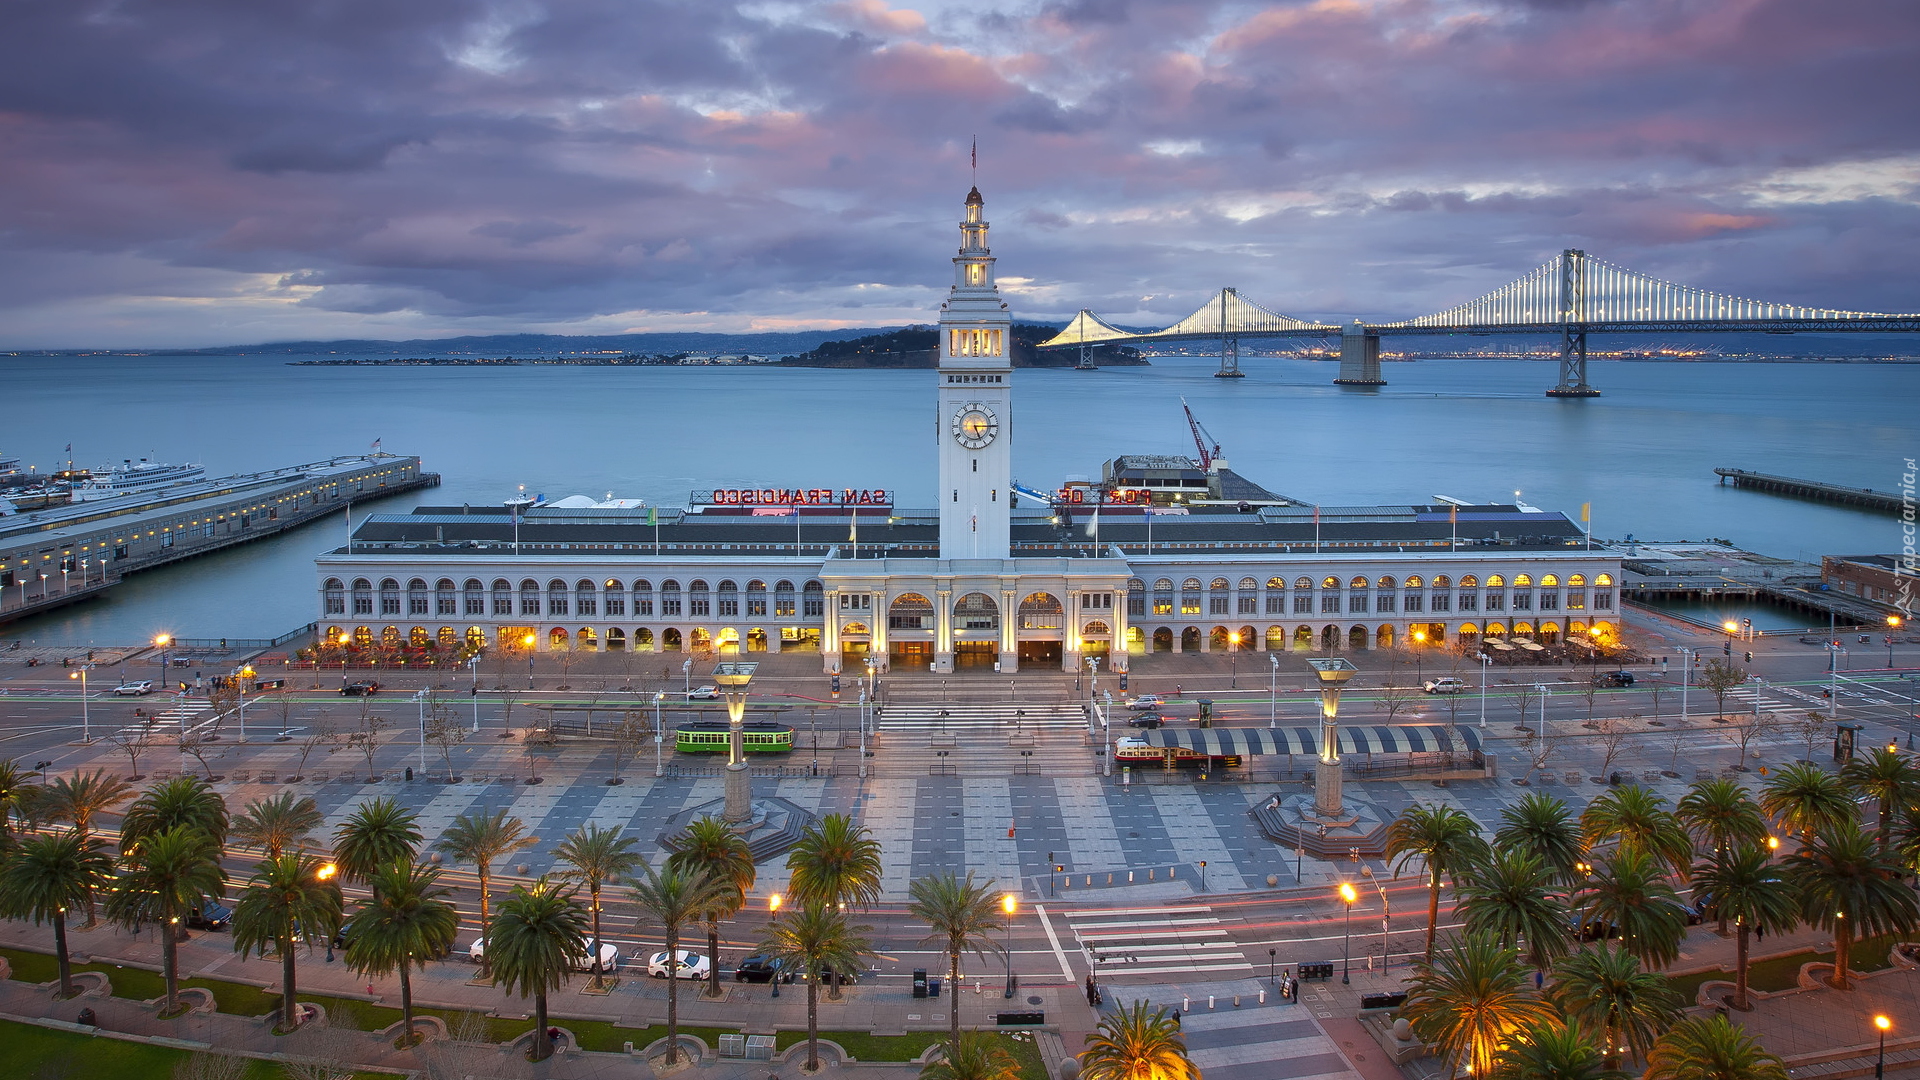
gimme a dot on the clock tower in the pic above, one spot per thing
(975, 421)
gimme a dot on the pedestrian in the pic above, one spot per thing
(1176, 1018)
(1759, 932)
(369, 989)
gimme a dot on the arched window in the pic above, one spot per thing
(1217, 596)
(976, 611)
(1469, 581)
(417, 598)
(1276, 583)
(1603, 579)
(813, 600)
(1576, 581)
(1190, 596)
(1163, 597)
(1521, 581)
(390, 599)
(1442, 581)
(615, 602)
(1137, 597)
(1329, 582)
(1357, 583)
(756, 599)
(1276, 596)
(671, 605)
(1303, 583)
(1414, 582)
(556, 597)
(643, 604)
(474, 596)
(1385, 582)
(729, 600)
(1550, 581)
(910, 611)
(1495, 581)
(1041, 611)
(335, 595)
(502, 596)
(783, 599)
(586, 598)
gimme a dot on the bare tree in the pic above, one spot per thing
(1743, 728)
(507, 699)
(318, 735)
(283, 704)
(364, 736)
(568, 653)
(1524, 696)
(629, 736)
(1718, 677)
(133, 742)
(197, 744)
(320, 1049)
(1811, 727)
(1613, 736)
(1591, 691)
(1538, 750)
(1678, 741)
(211, 1065)
(224, 699)
(1654, 686)
(445, 731)
(1394, 700)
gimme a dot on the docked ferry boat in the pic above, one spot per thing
(130, 475)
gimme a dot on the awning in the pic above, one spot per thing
(1305, 742)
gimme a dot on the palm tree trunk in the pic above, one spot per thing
(1740, 968)
(1842, 950)
(406, 1004)
(486, 958)
(673, 993)
(542, 1045)
(713, 960)
(169, 960)
(1433, 909)
(953, 991)
(287, 1010)
(593, 896)
(1611, 1059)
(60, 950)
(813, 1024)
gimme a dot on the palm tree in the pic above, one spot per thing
(164, 876)
(1630, 892)
(481, 838)
(184, 800)
(1511, 897)
(1803, 797)
(1721, 815)
(1887, 777)
(1134, 1042)
(47, 876)
(1637, 820)
(1472, 998)
(963, 916)
(1711, 1048)
(673, 898)
(1446, 839)
(1544, 826)
(710, 846)
(287, 901)
(980, 1055)
(1748, 889)
(815, 940)
(403, 924)
(277, 822)
(377, 835)
(835, 862)
(79, 799)
(1614, 1000)
(598, 856)
(15, 791)
(1552, 1052)
(539, 936)
(1848, 887)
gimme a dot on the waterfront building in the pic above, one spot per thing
(1161, 556)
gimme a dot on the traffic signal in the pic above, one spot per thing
(1727, 649)
(1123, 682)
(1749, 656)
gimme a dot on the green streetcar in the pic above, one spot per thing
(710, 737)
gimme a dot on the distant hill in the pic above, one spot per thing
(919, 347)
(530, 345)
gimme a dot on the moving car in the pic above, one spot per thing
(1145, 703)
(134, 689)
(1446, 684)
(761, 968)
(1613, 678)
(360, 689)
(686, 964)
(704, 693)
(1147, 720)
(209, 915)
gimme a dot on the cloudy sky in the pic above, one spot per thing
(199, 172)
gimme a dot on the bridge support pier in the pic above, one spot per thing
(1573, 366)
(1086, 359)
(1359, 357)
(1230, 358)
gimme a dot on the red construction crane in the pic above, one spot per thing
(1202, 439)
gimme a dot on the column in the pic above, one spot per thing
(943, 630)
(1117, 655)
(1009, 632)
(877, 643)
(830, 636)
(1070, 655)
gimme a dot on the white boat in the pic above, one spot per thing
(130, 475)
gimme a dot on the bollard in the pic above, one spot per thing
(1236, 1001)
(1263, 997)
(629, 1046)
(1186, 1003)
(1150, 874)
(1129, 877)
(1209, 1002)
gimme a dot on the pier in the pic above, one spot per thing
(1865, 498)
(51, 558)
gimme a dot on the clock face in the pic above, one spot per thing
(974, 426)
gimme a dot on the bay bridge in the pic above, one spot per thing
(1570, 296)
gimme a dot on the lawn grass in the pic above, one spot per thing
(867, 1047)
(38, 1052)
(1783, 972)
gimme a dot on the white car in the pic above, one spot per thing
(1446, 685)
(687, 965)
(609, 956)
(704, 693)
(1144, 703)
(134, 689)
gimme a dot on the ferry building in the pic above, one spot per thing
(1161, 555)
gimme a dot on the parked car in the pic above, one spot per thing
(1613, 678)
(209, 915)
(609, 956)
(1809, 639)
(686, 964)
(1446, 684)
(761, 968)
(704, 693)
(1147, 720)
(360, 689)
(134, 689)
(1145, 703)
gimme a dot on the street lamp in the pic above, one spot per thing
(1233, 653)
(1333, 674)
(1893, 623)
(1880, 1064)
(86, 735)
(1008, 904)
(1347, 895)
(529, 642)
(1486, 661)
(325, 873)
(161, 641)
(732, 677)
(1273, 691)
(1419, 658)
(1731, 628)
(773, 918)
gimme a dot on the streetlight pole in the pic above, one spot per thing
(1880, 1063)
(1542, 687)
(86, 735)
(773, 919)
(659, 735)
(1008, 904)
(1347, 895)
(863, 733)
(1485, 661)
(1273, 691)
(1233, 654)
